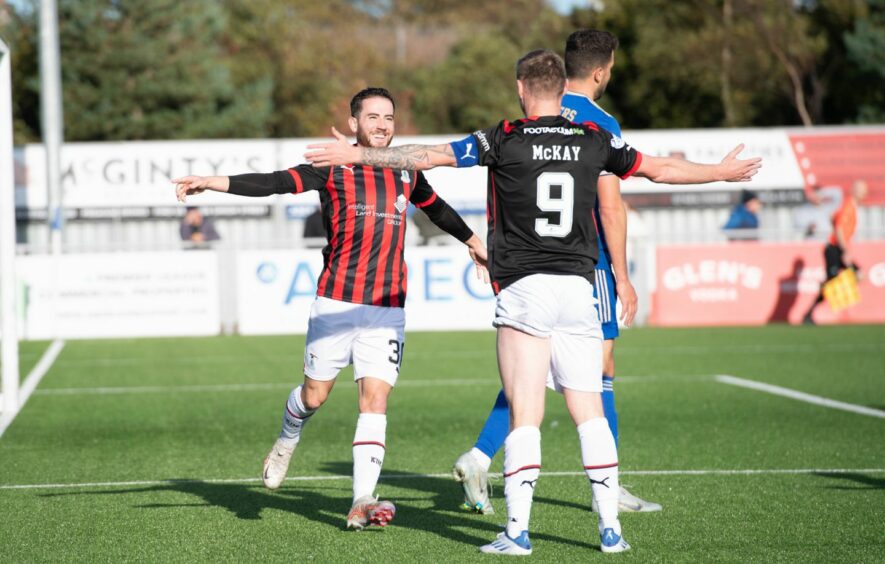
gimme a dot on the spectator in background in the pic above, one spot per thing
(813, 217)
(744, 220)
(197, 229)
(837, 255)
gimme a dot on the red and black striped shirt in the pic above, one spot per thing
(364, 212)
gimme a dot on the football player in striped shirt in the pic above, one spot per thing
(589, 58)
(543, 251)
(358, 315)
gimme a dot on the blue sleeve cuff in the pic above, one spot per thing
(466, 153)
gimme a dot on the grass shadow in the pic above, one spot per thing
(867, 482)
(434, 511)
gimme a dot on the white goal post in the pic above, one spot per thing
(9, 337)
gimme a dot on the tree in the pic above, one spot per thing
(19, 30)
(137, 70)
(865, 45)
(475, 87)
(786, 33)
(713, 62)
(149, 70)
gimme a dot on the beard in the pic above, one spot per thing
(363, 138)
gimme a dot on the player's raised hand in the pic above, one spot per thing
(739, 170)
(629, 301)
(189, 186)
(339, 152)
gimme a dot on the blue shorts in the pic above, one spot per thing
(605, 291)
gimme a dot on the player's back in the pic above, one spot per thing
(579, 108)
(542, 192)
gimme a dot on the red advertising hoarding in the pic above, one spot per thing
(757, 283)
(834, 158)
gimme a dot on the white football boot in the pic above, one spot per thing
(367, 511)
(629, 503)
(475, 482)
(610, 541)
(276, 464)
(520, 546)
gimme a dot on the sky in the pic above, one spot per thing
(565, 6)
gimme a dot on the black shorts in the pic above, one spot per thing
(833, 260)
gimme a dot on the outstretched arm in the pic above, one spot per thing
(405, 157)
(192, 185)
(669, 170)
(251, 184)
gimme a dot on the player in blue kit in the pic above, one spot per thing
(589, 58)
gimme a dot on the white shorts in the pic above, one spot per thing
(340, 333)
(563, 309)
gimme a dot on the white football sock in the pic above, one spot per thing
(522, 466)
(368, 453)
(600, 457)
(295, 417)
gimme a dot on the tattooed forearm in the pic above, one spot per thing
(409, 157)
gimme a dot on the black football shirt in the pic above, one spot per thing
(542, 192)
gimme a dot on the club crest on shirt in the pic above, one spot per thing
(401, 202)
(405, 177)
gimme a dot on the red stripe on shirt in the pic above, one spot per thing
(591, 125)
(387, 235)
(333, 240)
(362, 263)
(429, 201)
(299, 185)
(635, 166)
(492, 218)
(347, 242)
(396, 268)
(508, 127)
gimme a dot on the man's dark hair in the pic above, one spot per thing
(748, 195)
(356, 103)
(542, 72)
(587, 50)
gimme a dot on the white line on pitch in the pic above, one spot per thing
(257, 387)
(295, 358)
(712, 472)
(801, 396)
(31, 382)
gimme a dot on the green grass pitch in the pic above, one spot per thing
(158, 446)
